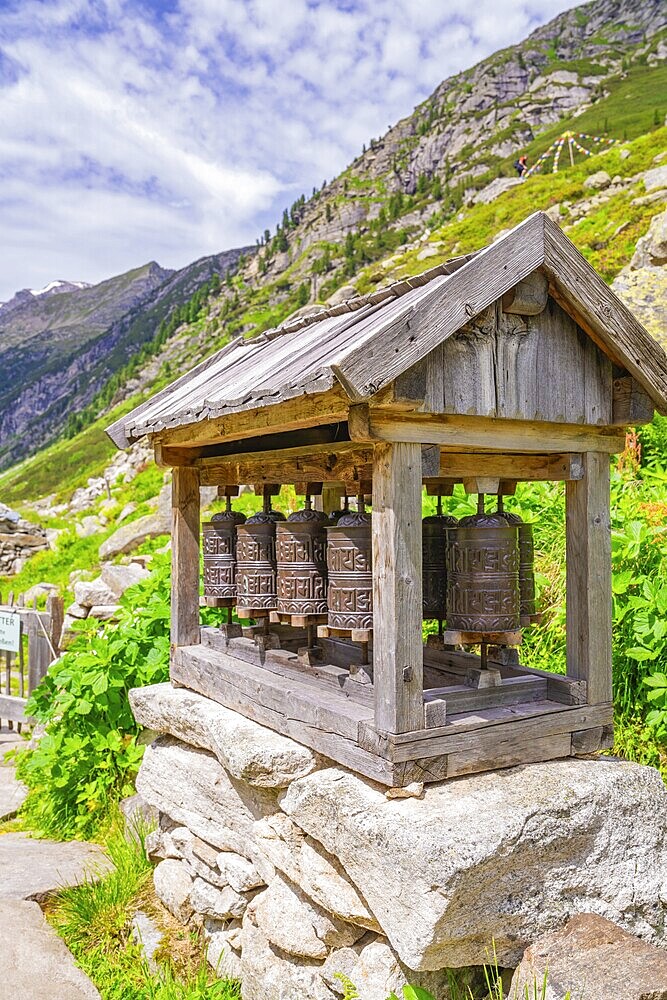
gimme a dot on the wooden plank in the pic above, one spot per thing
(583, 293)
(548, 467)
(588, 578)
(185, 557)
(631, 405)
(493, 367)
(13, 709)
(337, 462)
(529, 297)
(528, 721)
(397, 588)
(508, 752)
(286, 707)
(294, 414)
(490, 434)
(512, 691)
(390, 345)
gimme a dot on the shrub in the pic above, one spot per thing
(88, 756)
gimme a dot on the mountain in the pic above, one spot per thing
(26, 295)
(438, 183)
(60, 344)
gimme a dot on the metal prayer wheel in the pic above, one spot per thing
(219, 544)
(434, 562)
(349, 562)
(483, 574)
(301, 552)
(256, 568)
(526, 564)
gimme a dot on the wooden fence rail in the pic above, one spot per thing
(21, 672)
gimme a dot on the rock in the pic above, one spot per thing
(428, 252)
(68, 633)
(295, 925)
(130, 536)
(221, 904)
(173, 885)
(554, 213)
(88, 593)
(643, 284)
(495, 189)
(148, 935)
(655, 178)
(624, 154)
(502, 856)
(224, 942)
(127, 510)
(36, 964)
(138, 814)
(342, 294)
(247, 750)
(267, 975)
(104, 612)
(88, 526)
(76, 611)
(651, 249)
(597, 181)
(308, 865)
(32, 869)
(12, 791)
(240, 873)
(39, 590)
(592, 957)
(191, 786)
(119, 578)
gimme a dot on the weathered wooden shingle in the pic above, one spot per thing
(364, 344)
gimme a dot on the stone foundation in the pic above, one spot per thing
(298, 870)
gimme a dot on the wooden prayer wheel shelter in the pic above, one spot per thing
(516, 363)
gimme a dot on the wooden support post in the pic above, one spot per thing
(185, 557)
(589, 596)
(330, 499)
(397, 588)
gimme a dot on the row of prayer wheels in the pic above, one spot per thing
(477, 572)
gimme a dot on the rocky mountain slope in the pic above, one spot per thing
(58, 346)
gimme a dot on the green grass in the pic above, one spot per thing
(94, 920)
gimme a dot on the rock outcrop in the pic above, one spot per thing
(299, 869)
(643, 283)
(592, 958)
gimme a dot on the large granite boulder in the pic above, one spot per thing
(504, 856)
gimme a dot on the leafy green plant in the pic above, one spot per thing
(88, 755)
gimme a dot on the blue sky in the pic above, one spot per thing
(134, 130)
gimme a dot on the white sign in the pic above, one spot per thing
(10, 631)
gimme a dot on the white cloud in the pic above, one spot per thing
(132, 132)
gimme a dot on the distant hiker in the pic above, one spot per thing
(521, 165)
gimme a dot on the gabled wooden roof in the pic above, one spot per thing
(366, 342)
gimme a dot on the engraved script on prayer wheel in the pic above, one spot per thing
(219, 544)
(349, 557)
(483, 575)
(301, 550)
(526, 565)
(434, 563)
(256, 561)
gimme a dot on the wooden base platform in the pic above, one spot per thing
(530, 716)
(296, 621)
(354, 634)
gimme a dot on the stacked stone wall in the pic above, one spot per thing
(298, 870)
